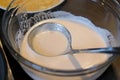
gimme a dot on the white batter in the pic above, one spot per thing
(82, 37)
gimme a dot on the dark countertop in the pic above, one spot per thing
(112, 73)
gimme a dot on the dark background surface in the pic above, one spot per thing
(112, 73)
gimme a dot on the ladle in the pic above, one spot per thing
(51, 26)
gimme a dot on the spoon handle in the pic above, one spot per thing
(109, 50)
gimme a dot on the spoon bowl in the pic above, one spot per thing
(50, 27)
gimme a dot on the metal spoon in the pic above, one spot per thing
(50, 26)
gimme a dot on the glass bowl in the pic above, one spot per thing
(102, 17)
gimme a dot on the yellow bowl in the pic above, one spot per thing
(43, 4)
